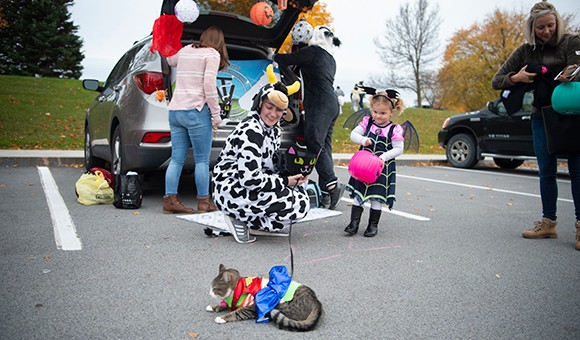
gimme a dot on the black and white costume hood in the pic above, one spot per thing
(324, 38)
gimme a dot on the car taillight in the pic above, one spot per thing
(157, 137)
(149, 82)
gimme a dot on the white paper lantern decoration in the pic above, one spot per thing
(186, 11)
(302, 32)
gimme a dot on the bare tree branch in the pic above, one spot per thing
(410, 43)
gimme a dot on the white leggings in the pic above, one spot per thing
(375, 205)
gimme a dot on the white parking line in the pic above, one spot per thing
(65, 233)
(394, 212)
(478, 187)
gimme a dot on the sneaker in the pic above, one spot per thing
(239, 230)
(577, 235)
(283, 233)
(546, 228)
(336, 195)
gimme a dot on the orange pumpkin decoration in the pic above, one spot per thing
(261, 14)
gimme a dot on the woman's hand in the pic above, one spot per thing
(296, 180)
(523, 77)
(216, 120)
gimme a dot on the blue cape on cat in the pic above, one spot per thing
(269, 297)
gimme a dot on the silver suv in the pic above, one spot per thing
(126, 126)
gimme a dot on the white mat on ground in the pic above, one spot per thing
(216, 219)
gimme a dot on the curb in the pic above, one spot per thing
(404, 159)
(74, 157)
(41, 157)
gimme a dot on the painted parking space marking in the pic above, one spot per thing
(487, 172)
(65, 233)
(479, 187)
(394, 212)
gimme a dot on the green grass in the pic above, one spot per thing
(42, 113)
(48, 113)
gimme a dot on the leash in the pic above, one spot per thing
(290, 234)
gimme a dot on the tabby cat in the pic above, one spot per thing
(302, 313)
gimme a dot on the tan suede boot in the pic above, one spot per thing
(203, 205)
(173, 205)
(546, 228)
(577, 235)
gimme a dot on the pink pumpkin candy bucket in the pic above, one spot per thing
(365, 166)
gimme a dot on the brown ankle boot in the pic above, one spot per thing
(543, 229)
(173, 205)
(203, 205)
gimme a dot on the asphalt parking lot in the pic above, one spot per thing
(449, 262)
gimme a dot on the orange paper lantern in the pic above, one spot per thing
(261, 14)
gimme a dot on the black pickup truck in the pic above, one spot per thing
(490, 132)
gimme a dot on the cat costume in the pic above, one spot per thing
(247, 185)
(290, 305)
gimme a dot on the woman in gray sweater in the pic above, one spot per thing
(548, 45)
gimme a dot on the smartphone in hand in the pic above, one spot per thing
(568, 73)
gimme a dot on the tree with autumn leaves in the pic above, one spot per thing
(474, 55)
(318, 16)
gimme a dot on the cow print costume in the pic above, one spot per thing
(246, 184)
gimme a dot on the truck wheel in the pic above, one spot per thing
(461, 151)
(506, 163)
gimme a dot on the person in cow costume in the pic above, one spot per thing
(248, 188)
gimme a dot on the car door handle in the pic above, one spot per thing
(117, 88)
(526, 117)
(101, 99)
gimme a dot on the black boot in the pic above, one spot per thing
(372, 228)
(355, 214)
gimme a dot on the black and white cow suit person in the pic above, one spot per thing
(254, 197)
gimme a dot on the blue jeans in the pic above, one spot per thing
(189, 127)
(548, 167)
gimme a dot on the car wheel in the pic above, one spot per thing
(506, 163)
(90, 160)
(117, 161)
(461, 151)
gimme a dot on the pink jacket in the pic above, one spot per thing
(196, 79)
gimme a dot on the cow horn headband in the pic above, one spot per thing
(276, 92)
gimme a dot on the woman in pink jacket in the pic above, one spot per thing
(193, 109)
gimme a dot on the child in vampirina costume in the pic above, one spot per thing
(254, 197)
(380, 136)
(318, 67)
